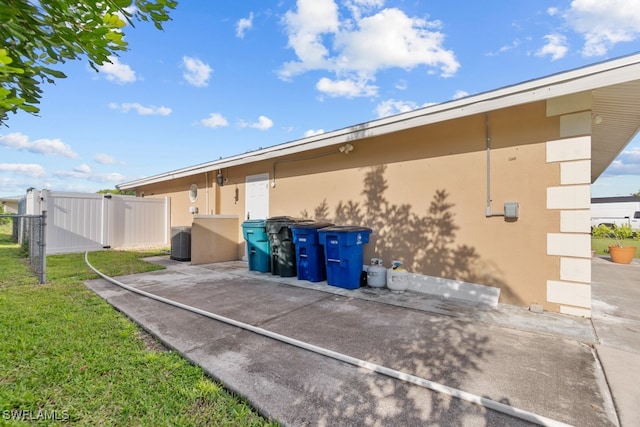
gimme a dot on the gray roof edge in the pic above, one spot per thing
(577, 80)
(615, 199)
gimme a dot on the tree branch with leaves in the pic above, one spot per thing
(38, 35)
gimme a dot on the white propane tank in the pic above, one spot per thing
(376, 274)
(397, 277)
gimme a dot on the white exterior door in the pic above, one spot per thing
(257, 197)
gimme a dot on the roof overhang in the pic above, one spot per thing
(615, 87)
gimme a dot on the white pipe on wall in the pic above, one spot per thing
(206, 192)
(488, 212)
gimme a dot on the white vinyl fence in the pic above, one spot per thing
(78, 222)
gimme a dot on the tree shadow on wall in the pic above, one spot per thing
(425, 243)
(449, 351)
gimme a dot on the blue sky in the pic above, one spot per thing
(225, 78)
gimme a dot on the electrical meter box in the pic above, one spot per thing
(511, 210)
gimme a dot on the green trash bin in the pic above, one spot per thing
(258, 248)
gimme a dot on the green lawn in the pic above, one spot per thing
(67, 355)
(601, 246)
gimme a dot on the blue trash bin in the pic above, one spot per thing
(343, 254)
(255, 235)
(309, 252)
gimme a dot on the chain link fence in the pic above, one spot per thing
(30, 232)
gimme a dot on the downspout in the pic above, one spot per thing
(206, 192)
(488, 212)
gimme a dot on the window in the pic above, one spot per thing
(193, 193)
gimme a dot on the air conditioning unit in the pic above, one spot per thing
(181, 243)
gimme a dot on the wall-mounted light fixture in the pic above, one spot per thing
(220, 178)
(346, 148)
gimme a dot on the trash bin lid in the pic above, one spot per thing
(277, 223)
(253, 223)
(282, 218)
(345, 229)
(310, 225)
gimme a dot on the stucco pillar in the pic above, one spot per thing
(572, 199)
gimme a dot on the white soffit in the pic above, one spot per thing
(618, 108)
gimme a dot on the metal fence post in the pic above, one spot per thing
(31, 230)
(43, 248)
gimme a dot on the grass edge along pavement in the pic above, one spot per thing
(67, 356)
(601, 245)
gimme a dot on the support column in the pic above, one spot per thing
(572, 198)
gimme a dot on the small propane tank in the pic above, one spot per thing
(397, 277)
(376, 274)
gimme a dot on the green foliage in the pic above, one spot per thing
(619, 234)
(38, 35)
(601, 245)
(66, 351)
(13, 271)
(116, 191)
(4, 219)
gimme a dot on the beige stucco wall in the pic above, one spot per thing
(423, 191)
(214, 238)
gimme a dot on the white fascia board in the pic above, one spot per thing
(583, 79)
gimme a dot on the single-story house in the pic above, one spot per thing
(492, 189)
(10, 204)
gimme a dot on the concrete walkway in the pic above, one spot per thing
(542, 363)
(616, 320)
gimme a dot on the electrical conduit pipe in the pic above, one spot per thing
(440, 388)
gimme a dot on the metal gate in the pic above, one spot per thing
(30, 231)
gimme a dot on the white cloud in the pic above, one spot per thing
(627, 163)
(83, 168)
(243, 25)
(197, 73)
(346, 88)
(556, 47)
(109, 177)
(28, 169)
(305, 29)
(214, 120)
(603, 24)
(312, 132)
(142, 110)
(514, 44)
(460, 94)
(400, 41)
(263, 123)
(84, 172)
(402, 85)
(48, 147)
(552, 11)
(117, 72)
(391, 107)
(104, 159)
(355, 48)
(358, 7)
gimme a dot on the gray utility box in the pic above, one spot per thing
(181, 243)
